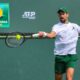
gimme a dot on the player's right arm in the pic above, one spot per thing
(49, 35)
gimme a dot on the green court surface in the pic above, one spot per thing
(34, 60)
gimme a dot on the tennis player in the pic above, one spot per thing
(66, 34)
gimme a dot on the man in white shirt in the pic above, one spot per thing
(66, 34)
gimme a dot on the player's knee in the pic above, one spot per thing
(70, 73)
(69, 77)
(58, 76)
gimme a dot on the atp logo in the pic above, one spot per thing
(4, 15)
(29, 15)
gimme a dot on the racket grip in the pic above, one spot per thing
(35, 35)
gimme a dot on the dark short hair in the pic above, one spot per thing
(64, 10)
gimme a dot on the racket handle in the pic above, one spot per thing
(35, 35)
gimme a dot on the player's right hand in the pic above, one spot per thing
(42, 34)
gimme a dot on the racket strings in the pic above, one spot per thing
(14, 39)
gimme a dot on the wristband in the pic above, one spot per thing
(35, 35)
(44, 34)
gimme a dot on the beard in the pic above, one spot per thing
(63, 20)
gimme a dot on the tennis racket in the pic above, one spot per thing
(16, 39)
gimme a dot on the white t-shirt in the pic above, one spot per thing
(66, 39)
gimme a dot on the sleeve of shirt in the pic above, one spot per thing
(78, 28)
(55, 29)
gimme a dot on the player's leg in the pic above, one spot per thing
(69, 74)
(71, 66)
(58, 76)
(59, 68)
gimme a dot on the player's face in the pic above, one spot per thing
(63, 17)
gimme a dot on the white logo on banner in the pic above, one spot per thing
(29, 15)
